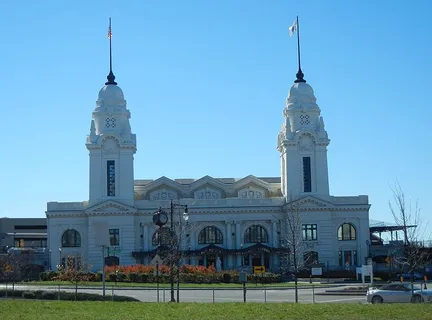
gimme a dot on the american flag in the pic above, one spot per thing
(109, 30)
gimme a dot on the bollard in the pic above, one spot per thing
(58, 295)
(265, 294)
(213, 296)
(112, 293)
(244, 292)
(163, 291)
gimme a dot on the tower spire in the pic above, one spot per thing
(296, 28)
(111, 76)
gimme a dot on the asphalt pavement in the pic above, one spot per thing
(263, 295)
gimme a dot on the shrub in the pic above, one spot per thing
(132, 277)
(48, 275)
(28, 295)
(48, 295)
(226, 278)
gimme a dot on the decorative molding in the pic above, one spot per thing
(163, 194)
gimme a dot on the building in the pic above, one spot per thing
(19, 235)
(235, 221)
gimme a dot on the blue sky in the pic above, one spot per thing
(206, 82)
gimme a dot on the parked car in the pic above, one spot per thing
(398, 293)
(417, 275)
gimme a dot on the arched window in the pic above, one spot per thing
(210, 235)
(71, 238)
(346, 231)
(255, 234)
(161, 237)
(310, 257)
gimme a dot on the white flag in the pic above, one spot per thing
(293, 28)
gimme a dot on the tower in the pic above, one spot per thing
(111, 146)
(302, 143)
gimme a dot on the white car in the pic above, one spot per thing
(398, 293)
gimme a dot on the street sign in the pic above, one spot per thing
(316, 271)
(243, 277)
(259, 269)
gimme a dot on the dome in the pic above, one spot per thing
(301, 89)
(111, 93)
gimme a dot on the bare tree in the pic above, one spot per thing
(14, 266)
(75, 271)
(291, 237)
(415, 255)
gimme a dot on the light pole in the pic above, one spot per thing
(160, 218)
(60, 259)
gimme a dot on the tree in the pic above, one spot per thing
(75, 271)
(415, 255)
(293, 260)
(14, 266)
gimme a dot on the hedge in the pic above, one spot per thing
(69, 296)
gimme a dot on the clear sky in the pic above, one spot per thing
(206, 83)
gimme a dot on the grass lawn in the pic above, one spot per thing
(182, 285)
(35, 310)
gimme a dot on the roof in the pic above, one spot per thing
(381, 226)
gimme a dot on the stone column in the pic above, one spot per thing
(238, 242)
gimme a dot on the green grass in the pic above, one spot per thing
(162, 285)
(36, 310)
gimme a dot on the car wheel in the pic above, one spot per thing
(377, 299)
(416, 299)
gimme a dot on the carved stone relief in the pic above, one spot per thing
(110, 146)
(163, 194)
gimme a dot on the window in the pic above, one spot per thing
(30, 227)
(304, 119)
(346, 231)
(210, 235)
(307, 178)
(309, 232)
(114, 235)
(71, 238)
(111, 178)
(255, 234)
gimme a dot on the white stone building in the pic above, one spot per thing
(237, 220)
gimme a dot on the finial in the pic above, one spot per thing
(299, 76)
(111, 76)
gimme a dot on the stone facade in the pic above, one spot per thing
(237, 221)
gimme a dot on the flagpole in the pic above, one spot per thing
(111, 76)
(111, 45)
(299, 74)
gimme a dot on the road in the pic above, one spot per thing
(306, 295)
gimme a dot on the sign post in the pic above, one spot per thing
(243, 279)
(102, 239)
(155, 263)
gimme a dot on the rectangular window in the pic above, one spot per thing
(309, 232)
(111, 178)
(31, 227)
(114, 235)
(307, 178)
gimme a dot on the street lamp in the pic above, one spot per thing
(160, 218)
(60, 260)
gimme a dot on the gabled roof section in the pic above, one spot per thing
(250, 179)
(164, 181)
(207, 180)
(110, 206)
